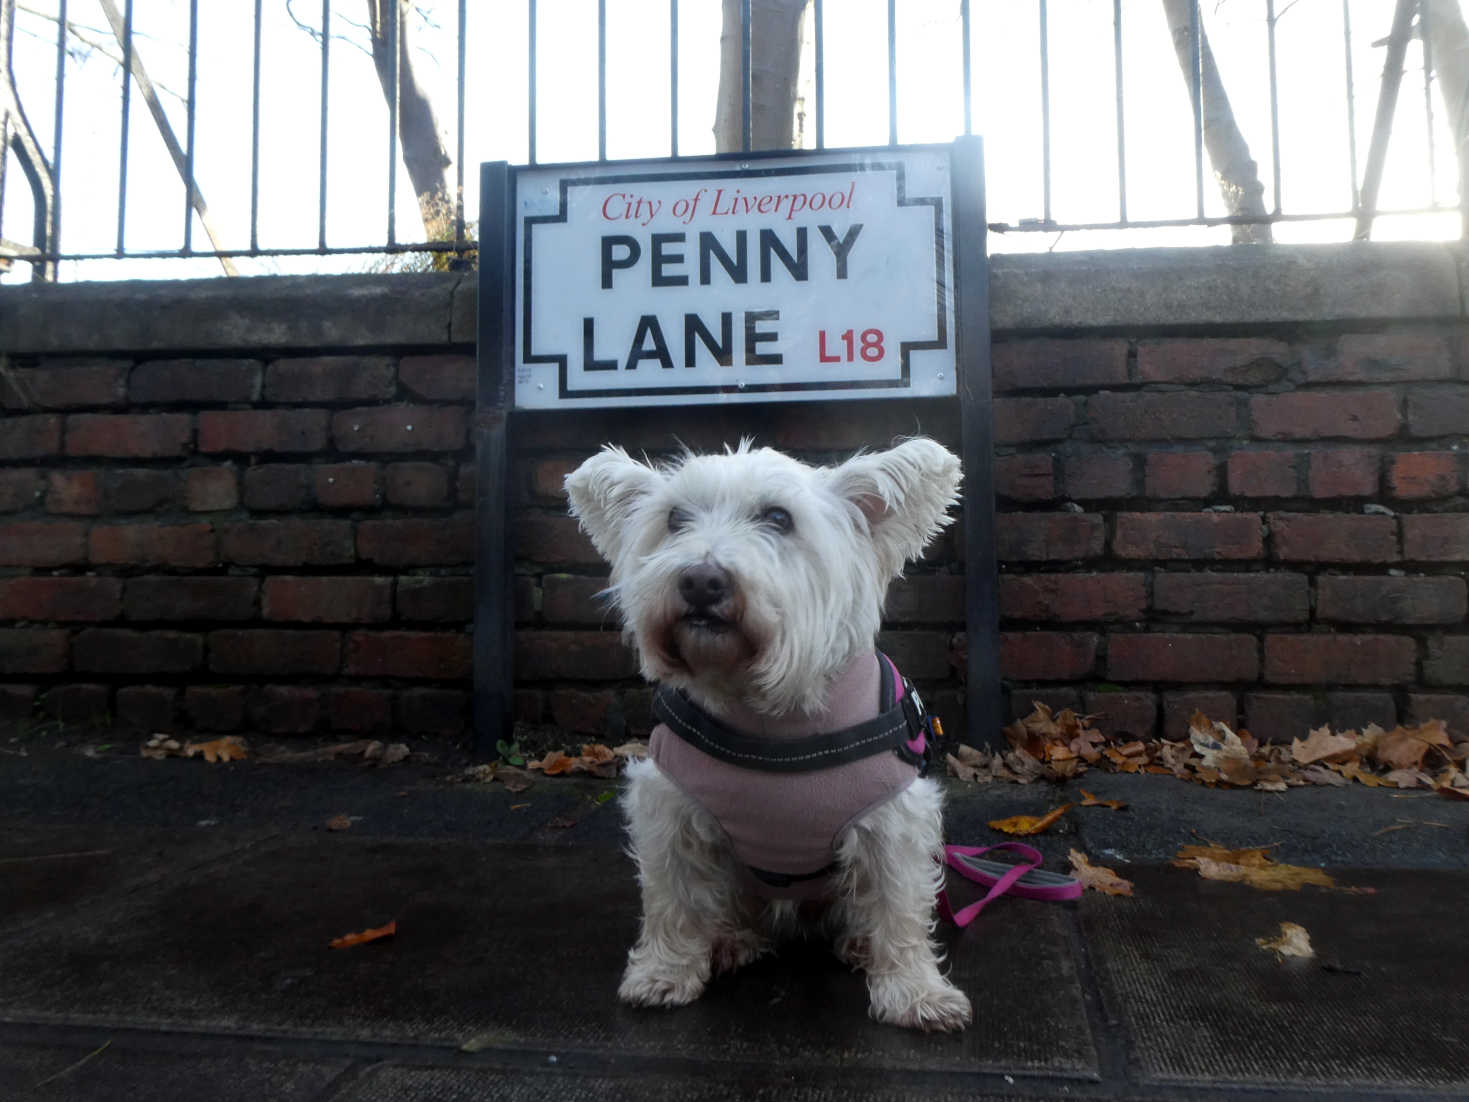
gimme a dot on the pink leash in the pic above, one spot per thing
(1025, 879)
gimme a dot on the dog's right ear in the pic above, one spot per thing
(604, 493)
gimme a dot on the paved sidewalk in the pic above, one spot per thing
(164, 930)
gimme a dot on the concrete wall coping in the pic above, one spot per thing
(1224, 287)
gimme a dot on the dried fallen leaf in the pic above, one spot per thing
(514, 780)
(339, 822)
(1452, 792)
(1250, 866)
(554, 763)
(1088, 800)
(229, 748)
(1029, 824)
(348, 940)
(1098, 877)
(1292, 941)
(633, 749)
(1321, 745)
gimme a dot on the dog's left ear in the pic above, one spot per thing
(605, 491)
(904, 493)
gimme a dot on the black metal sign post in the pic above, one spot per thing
(506, 360)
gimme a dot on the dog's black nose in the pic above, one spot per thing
(703, 585)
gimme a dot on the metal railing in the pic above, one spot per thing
(1030, 108)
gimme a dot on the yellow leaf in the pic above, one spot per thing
(229, 748)
(339, 822)
(1088, 800)
(1029, 824)
(346, 941)
(1292, 941)
(553, 763)
(1097, 877)
(1249, 866)
(1322, 745)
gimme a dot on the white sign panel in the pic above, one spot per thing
(806, 277)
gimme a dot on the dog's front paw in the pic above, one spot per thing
(934, 1007)
(668, 985)
(735, 950)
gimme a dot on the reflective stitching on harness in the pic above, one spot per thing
(672, 717)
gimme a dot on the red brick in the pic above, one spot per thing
(1322, 414)
(139, 490)
(436, 541)
(79, 704)
(1333, 537)
(1050, 364)
(215, 707)
(1238, 361)
(572, 599)
(348, 485)
(921, 655)
(1179, 657)
(210, 489)
(1437, 410)
(327, 600)
(1360, 600)
(448, 599)
(1023, 420)
(917, 599)
(1354, 711)
(1167, 416)
(350, 708)
(1212, 598)
(400, 429)
(548, 478)
(440, 655)
(577, 711)
(552, 538)
(1441, 537)
(1048, 537)
(330, 379)
(529, 706)
(1179, 707)
(1180, 474)
(417, 485)
(1025, 477)
(64, 385)
(20, 488)
(1452, 708)
(274, 651)
(147, 708)
(194, 382)
(1344, 472)
(150, 544)
(446, 377)
(74, 493)
(578, 655)
(1203, 536)
(1069, 597)
(260, 431)
(1338, 659)
(30, 437)
(1092, 475)
(1281, 717)
(42, 542)
(1264, 474)
(1424, 474)
(190, 598)
(1384, 358)
(129, 435)
(1122, 713)
(42, 598)
(284, 709)
(1047, 655)
(1448, 661)
(32, 650)
(295, 542)
(432, 711)
(121, 650)
(277, 487)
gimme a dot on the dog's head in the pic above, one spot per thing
(751, 576)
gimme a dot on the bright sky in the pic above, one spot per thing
(1315, 166)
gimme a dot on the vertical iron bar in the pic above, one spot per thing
(127, 102)
(53, 242)
(530, 78)
(1387, 102)
(673, 78)
(1121, 114)
(968, 68)
(745, 75)
(394, 38)
(1346, 26)
(892, 74)
(189, 126)
(1196, 83)
(326, 38)
(601, 80)
(821, 75)
(1274, 103)
(459, 145)
(1045, 117)
(255, 140)
(1426, 38)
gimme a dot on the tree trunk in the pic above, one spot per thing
(1448, 48)
(1229, 154)
(424, 155)
(775, 57)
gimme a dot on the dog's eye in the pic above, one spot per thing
(678, 519)
(777, 518)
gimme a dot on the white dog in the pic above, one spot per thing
(783, 769)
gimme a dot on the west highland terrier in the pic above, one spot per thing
(786, 767)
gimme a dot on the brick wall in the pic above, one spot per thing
(1230, 479)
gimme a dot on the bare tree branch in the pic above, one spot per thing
(775, 57)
